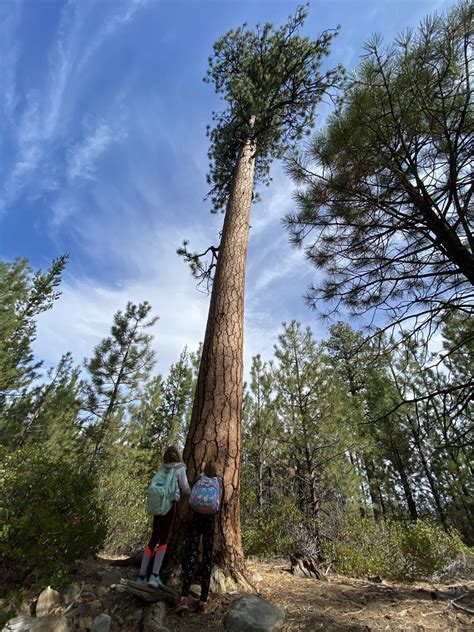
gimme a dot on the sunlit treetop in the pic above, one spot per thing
(271, 81)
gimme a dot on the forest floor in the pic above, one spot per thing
(337, 604)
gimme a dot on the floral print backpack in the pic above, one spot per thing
(206, 495)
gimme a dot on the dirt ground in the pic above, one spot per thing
(337, 604)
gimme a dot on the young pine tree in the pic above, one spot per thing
(23, 295)
(120, 362)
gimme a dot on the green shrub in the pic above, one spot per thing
(390, 549)
(426, 548)
(267, 532)
(122, 494)
(48, 512)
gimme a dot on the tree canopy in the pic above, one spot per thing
(385, 189)
(271, 81)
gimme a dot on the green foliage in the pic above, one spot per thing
(6, 613)
(23, 295)
(271, 81)
(49, 514)
(310, 407)
(122, 497)
(380, 229)
(119, 364)
(393, 550)
(267, 531)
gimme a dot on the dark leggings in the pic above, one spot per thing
(201, 525)
(156, 548)
(162, 528)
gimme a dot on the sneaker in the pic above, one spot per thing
(182, 605)
(141, 582)
(155, 581)
(200, 606)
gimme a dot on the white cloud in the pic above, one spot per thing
(83, 315)
(9, 19)
(111, 26)
(45, 121)
(83, 156)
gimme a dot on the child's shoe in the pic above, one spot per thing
(200, 606)
(155, 581)
(182, 605)
(141, 582)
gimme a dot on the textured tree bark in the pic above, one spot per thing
(215, 427)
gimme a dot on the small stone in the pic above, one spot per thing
(71, 593)
(51, 623)
(85, 623)
(20, 624)
(154, 616)
(256, 577)
(27, 607)
(47, 601)
(101, 623)
(102, 590)
(250, 613)
(375, 578)
(196, 589)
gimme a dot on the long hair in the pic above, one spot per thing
(172, 455)
(210, 469)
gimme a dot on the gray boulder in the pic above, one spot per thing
(50, 623)
(250, 613)
(48, 600)
(22, 623)
(154, 615)
(101, 623)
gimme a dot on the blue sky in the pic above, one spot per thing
(103, 155)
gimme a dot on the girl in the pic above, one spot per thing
(162, 524)
(205, 502)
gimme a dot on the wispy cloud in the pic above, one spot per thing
(83, 156)
(9, 20)
(88, 306)
(111, 27)
(44, 126)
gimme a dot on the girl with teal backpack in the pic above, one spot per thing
(205, 502)
(164, 492)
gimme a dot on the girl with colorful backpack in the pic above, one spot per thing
(205, 502)
(164, 492)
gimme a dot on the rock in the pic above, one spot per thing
(134, 560)
(102, 590)
(71, 593)
(48, 600)
(250, 613)
(19, 624)
(256, 578)
(110, 577)
(154, 616)
(27, 607)
(101, 623)
(375, 578)
(306, 567)
(85, 623)
(50, 623)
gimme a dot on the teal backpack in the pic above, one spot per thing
(161, 492)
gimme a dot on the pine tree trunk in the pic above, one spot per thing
(374, 489)
(429, 475)
(215, 427)
(400, 467)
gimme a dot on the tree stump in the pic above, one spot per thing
(306, 567)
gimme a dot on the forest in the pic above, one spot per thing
(351, 448)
